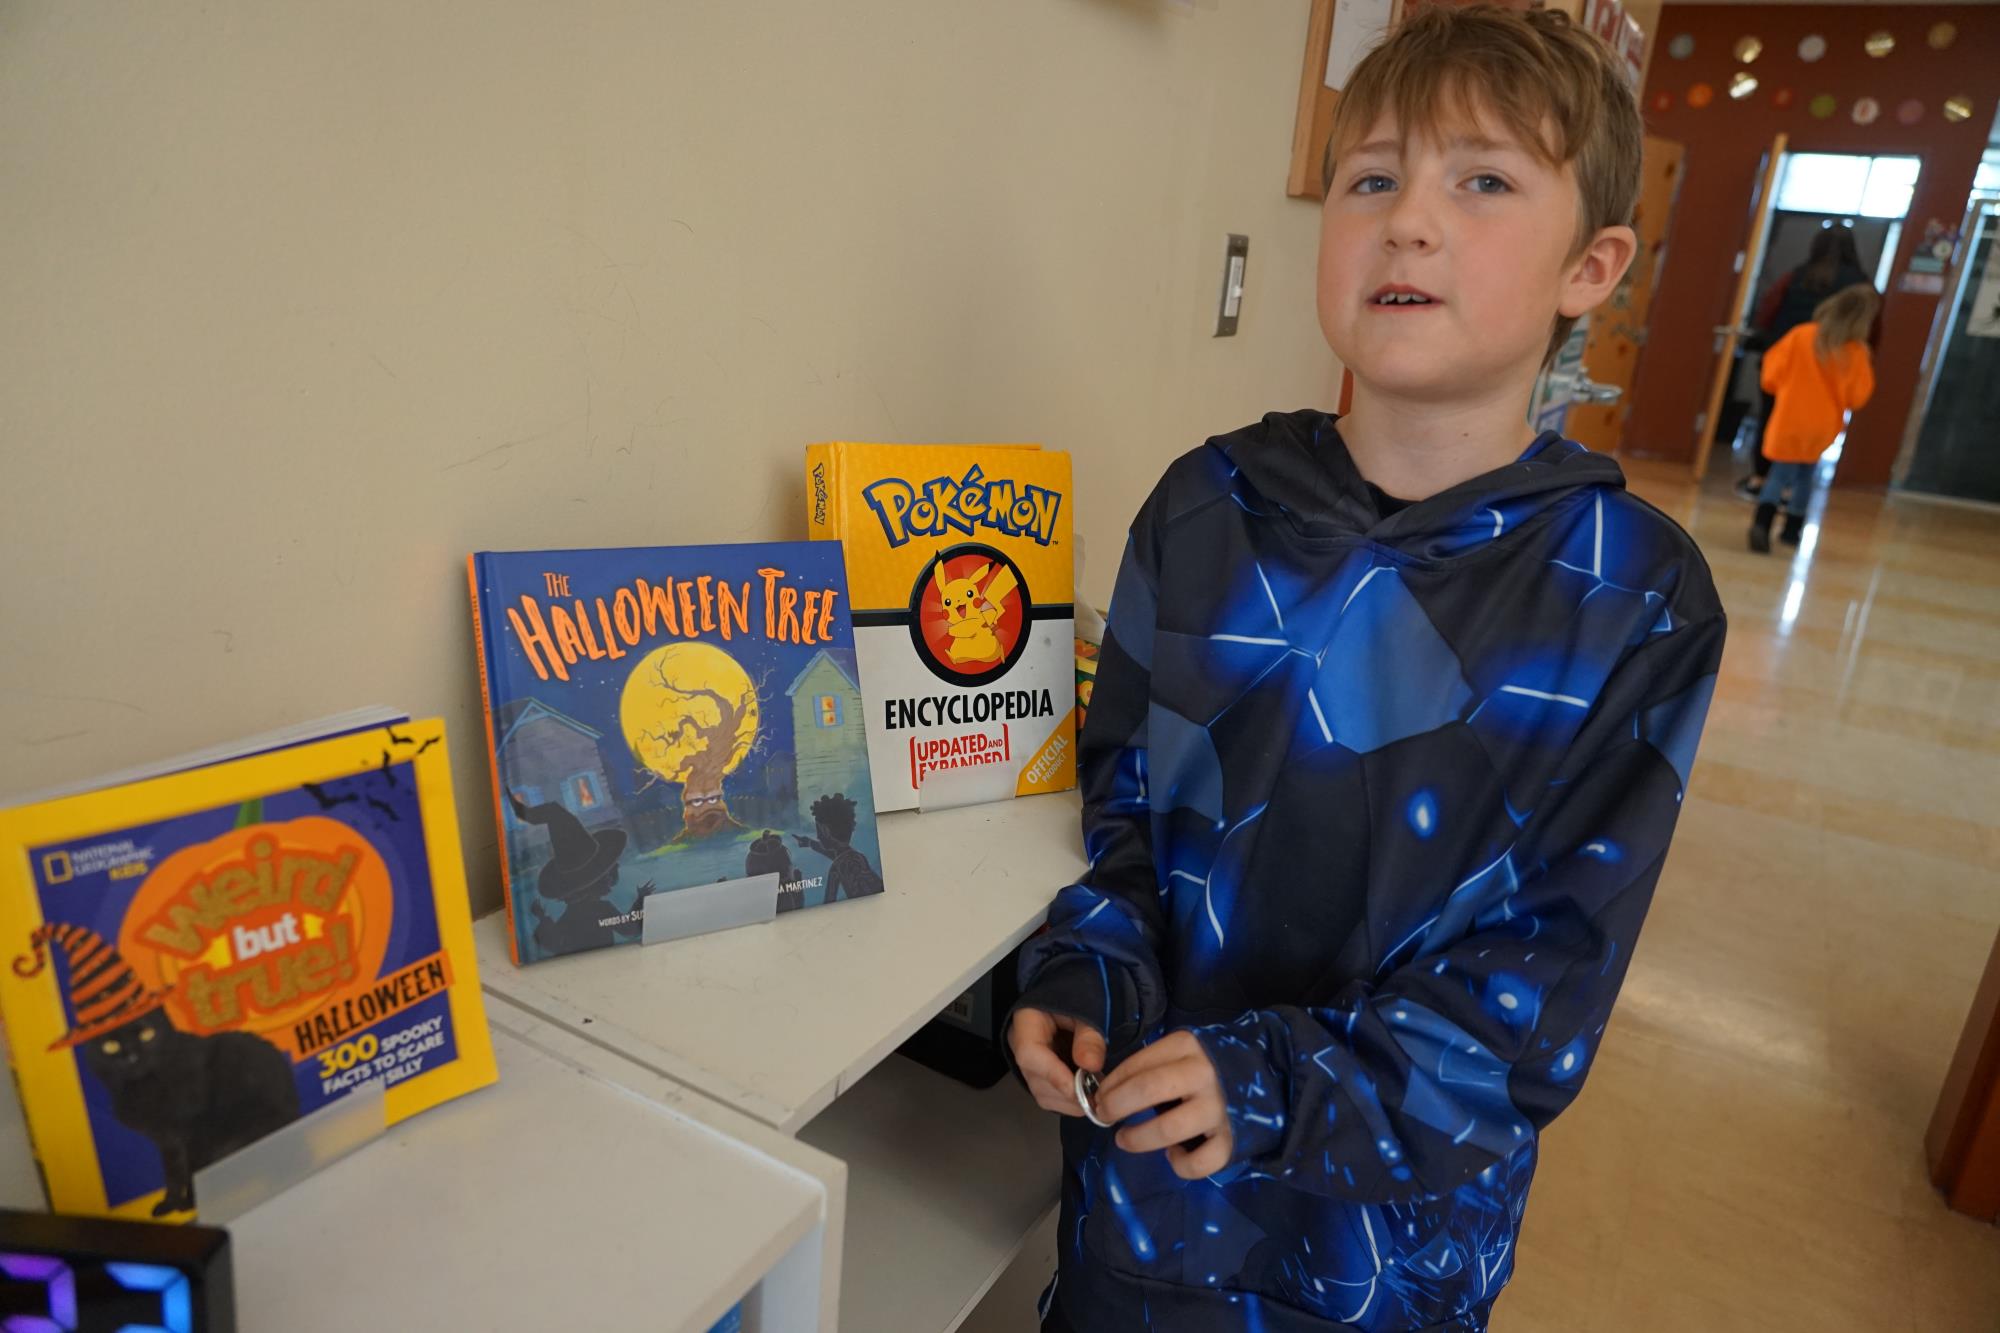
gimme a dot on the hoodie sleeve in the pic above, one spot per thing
(1098, 961)
(1469, 1039)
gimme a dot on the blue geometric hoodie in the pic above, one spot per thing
(1375, 806)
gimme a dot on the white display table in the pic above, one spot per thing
(555, 1199)
(944, 1183)
(779, 1020)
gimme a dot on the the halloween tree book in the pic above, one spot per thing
(670, 720)
(962, 566)
(197, 957)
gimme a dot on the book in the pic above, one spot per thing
(207, 951)
(676, 738)
(959, 560)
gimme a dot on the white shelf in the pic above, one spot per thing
(553, 1200)
(778, 1020)
(944, 1184)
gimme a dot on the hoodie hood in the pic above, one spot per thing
(1297, 463)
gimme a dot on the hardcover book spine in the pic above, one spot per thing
(823, 516)
(480, 650)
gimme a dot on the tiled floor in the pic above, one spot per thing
(1748, 1153)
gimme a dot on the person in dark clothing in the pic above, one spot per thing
(1393, 720)
(1832, 265)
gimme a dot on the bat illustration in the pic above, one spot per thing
(326, 802)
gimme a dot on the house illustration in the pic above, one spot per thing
(826, 721)
(548, 755)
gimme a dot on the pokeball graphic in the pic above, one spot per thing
(969, 614)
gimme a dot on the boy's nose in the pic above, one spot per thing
(1411, 225)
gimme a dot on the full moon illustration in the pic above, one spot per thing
(673, 710)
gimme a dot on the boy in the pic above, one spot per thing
(1376, 790)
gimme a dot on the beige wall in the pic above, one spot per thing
(302, 302)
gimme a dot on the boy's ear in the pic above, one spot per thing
(1595, 273)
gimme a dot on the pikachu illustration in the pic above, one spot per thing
(971, 612)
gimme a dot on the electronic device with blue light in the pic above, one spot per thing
(62, 1274)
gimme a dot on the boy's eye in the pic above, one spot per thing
(1488, 183)
(1373, 183)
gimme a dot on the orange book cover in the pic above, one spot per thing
(198, 959)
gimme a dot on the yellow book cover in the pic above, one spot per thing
(960, 571)
(193, 961)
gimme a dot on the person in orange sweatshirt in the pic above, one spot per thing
(1819, 372)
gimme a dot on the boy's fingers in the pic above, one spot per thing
(1150, 1088)
(1168, 1049)
(1204, 1161)
(1032, 1025)
(1046, 1092)
(1135, 1064)
(1039, 1064)
(1087, 1049)
(1189, 1120)
(1050, 1099)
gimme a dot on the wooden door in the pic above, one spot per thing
(1964, 1139)
(1618, 327)
(1748, 260)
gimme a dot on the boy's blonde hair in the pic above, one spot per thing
(1844, 318)
(1557, 89)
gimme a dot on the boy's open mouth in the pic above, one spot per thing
(1397, 295)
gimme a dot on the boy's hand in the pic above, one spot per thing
(1040, 1041)
(1173, 1069)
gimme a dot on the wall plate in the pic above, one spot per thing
(1235, 266)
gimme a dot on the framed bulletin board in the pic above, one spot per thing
(1338, 34)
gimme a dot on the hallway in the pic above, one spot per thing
(1748, 1152)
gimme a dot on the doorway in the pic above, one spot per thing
(1866, 196)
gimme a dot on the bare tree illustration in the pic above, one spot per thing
(706, 748)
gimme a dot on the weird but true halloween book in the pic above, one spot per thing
(195, 960)
(962, 568)
(667, 721)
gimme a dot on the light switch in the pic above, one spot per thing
(1236, 260)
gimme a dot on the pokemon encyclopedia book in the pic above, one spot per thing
(198, 959)
(961, 565)
(681, 721)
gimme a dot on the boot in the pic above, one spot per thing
(1760, 528)
(1795, 527)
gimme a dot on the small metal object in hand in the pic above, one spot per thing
(1086, 1093)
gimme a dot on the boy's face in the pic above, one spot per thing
(1478, 224)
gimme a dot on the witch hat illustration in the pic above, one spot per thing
(104, 992)
(579, 859)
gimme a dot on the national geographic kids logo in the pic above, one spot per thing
(969, 615)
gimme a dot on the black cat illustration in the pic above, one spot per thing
(849, 875)
(196, 1098)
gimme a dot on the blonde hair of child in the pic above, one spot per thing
(1844, 318)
